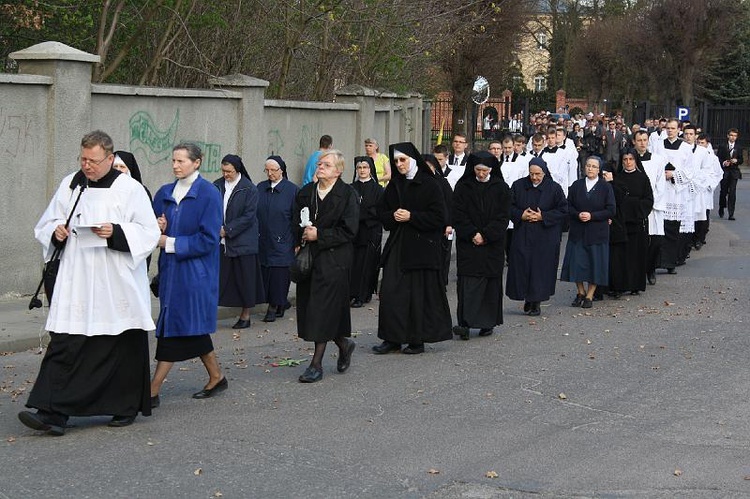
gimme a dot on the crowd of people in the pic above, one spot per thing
(631, 203)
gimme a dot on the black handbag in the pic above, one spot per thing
(49, 274)
(302, 266)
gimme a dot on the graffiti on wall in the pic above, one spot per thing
(16, 136)
(154, 145)
(305, 144)
(275, 143)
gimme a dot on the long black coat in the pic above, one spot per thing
(421, 239)
(535, 248)
(323, 300)
(627, 262)
(481, 208)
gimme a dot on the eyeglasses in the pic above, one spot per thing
(91, 162)
(271, 171)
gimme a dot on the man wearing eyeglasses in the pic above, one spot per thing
(97, 361)
(457, 160)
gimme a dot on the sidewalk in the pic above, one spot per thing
(22, 329)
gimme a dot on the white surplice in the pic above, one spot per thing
(101, 291)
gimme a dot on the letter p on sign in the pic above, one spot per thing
(683, 113)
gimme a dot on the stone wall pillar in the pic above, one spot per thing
(251, 141)
(69, 110)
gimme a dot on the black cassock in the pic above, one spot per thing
(366, 266)
(627, 253)
(480, 208)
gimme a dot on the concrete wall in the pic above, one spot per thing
(51, 104)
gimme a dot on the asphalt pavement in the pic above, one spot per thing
(645, 396)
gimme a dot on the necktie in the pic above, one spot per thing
(507, 159)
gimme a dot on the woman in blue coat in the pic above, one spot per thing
(275, 202)
(189, 212)
(591, 204)
(240, 283)
(538, 209)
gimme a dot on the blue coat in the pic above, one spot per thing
(240, 219)
(189, 278)
(535, 247)
(600, 202)
(275, 222)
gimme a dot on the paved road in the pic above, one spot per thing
(641, 397)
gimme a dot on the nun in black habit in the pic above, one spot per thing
(635, 199)
(366, 266)
(538, 208)
(413, 304)
(481, 208)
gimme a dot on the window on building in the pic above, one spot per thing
(540, 83)
(541, 38)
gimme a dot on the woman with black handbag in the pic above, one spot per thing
(326, 218)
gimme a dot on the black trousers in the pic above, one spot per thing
(669, 254)
(728, 194)
(653, 255)
(701, 229)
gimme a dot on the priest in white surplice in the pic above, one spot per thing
(97, 360)
(679, 219)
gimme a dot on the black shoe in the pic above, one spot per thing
(121, 421)
(671, 271)
(414, 349)
(526, 307)
(386, 347)
(281, 308)
(586, 303)
(698, 246)
(681, 263)
(731, 217)
(271, 314)
(210, 392)
(635, 293)
(486, 331)
(311, 375)
(155, 402)
(39, 422)
(651, 277)
(356, 303)
(241, 324)
(721, 212)
(345, 357)
(462, 332)
(535, 309)
(578, 301)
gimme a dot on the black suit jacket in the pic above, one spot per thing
(452, 159)
(724, 154)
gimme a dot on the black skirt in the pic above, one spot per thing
(413, 304)
(480, 301)
(365, 270)
(94, 375)
(240, 282)
(179, 348)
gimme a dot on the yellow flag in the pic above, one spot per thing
(440, 134)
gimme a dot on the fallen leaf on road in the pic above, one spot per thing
(218, 494)
(677, 472)
(198, 471)
(11, 439)
(491, 474)
(562, 396)
(433, 471)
